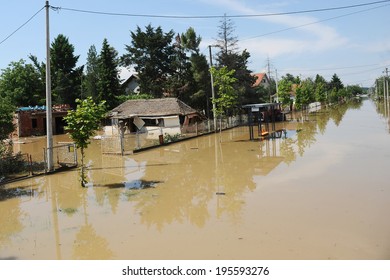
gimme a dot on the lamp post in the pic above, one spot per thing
(212, 88)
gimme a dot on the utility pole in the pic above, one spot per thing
(49, 127)
(276, 84)
(387, 85)
(269, 78)
(212, 89)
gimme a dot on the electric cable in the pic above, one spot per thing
(221, 16)
(20, 27)
(311, 23)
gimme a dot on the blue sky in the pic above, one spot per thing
(354, 43)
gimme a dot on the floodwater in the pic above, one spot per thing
(320, 192)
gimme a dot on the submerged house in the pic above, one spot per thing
(31, 120)
(155, 116)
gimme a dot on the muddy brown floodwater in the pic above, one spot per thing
(320, 192)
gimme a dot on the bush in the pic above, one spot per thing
(171, 138)
(11, 164)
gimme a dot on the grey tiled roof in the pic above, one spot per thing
(151, 107)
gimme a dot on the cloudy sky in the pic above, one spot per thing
(352, 42)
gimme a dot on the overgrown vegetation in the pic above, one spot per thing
(172, 138)
(303, 92)
(12, 164)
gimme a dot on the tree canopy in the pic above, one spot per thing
(229, 56)
(150, 52)
(21, 84)
(108, 82)
(227, 96)
(65, 76)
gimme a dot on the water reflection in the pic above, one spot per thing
(186, 195)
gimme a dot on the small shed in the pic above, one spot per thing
(264, 116)
(156, 116)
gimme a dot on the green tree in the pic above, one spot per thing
(108, 83)
(6, 117)
(65, 76)
(90, 87)
(190, 41)
(354, 90)
(151, 54)
(284, 91)
(335, 83)
(320, 90)
(199, 78)
(230, 57)
(22, 85)
(333, 96)
(82, 124)
(227, 96)
(179, 81)
(305, 93)
(6, 128)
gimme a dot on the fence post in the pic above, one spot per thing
(29, 159)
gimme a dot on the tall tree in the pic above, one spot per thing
(65, 76)
(190, 41)
(304, 93)
(335, 83)
(321, 89)
(284, 90)
(179, 82)
(108, 83)
(227, 96)
(90, 87)
(199, 78)
(230, 57)
(151, 54)
(227, 41)
(21, 84)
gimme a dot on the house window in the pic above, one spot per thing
(151, 122)
(34, 123)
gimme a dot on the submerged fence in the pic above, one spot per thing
(64, 155)
(24, 165)
(155, 136)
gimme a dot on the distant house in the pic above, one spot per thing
(155, 116)
(262, 80)
(130, 85)
(31, 121)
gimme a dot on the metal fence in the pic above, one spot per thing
(64, 155)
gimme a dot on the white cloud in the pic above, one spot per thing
(309, 37)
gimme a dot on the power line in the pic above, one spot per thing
(311, 23)
(221, 16)
(331, 68)
(20, 27)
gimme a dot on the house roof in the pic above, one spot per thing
(151, 107)
(260, 77)
(132, 77)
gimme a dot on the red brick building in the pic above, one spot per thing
(31, 121)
